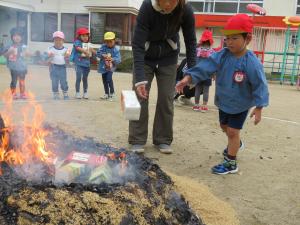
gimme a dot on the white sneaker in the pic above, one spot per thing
(77, 95)
(104, 97)
(137, 148)
(112, 97)
(164, 148)
(184, 101)
(85, 95)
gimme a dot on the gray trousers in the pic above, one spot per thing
(163, 121)
(200, 88)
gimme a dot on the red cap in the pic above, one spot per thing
(206, 36)
(82, 31)
(240, 23)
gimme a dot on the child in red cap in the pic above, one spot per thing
(240, 85)
(81, 57)
(204, 50)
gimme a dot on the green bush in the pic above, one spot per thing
(2, 60)
(125, 66)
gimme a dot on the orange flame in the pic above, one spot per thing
(34, 146)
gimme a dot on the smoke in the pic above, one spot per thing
(33, 172)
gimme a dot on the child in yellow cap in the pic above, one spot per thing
(109, 56)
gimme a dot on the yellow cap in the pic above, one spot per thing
(109, 36)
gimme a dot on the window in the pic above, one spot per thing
(298, 7)
(42, 26)
(119, 23)
(224, 6)
(229, 7)
(71, 22)
(197, 6)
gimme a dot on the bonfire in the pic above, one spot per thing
(48, 176)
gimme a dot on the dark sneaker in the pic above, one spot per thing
(226, 167)
(66, 96)
(242, 147)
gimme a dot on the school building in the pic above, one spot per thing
(40, 18)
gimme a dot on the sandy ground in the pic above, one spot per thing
(266, 191)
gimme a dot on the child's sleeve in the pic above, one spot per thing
(4, 50)
(77, 44)
(100, 52)
(117, 56)
(204, 69)
(259, 85)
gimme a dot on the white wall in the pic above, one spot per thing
(135, 3)
(75, 6)
(280, 7)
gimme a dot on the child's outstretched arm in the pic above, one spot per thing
(204, 70)
(181, 84)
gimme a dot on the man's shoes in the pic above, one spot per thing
(137, 148)
(164, 148)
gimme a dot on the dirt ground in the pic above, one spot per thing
(266, 191)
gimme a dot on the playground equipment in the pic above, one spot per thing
(272, 45)
(278, 49)
(258, 43)
(291, 21)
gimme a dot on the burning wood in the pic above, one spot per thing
(28, 144)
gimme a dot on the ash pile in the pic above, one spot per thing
(88, 183)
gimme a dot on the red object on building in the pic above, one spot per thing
(206, 20)
(256, 9)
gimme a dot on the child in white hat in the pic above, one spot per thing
(58, 73)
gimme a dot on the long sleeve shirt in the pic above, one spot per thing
(115, 55)
(240, 82)
(155, 43)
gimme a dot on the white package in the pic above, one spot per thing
(130, 105)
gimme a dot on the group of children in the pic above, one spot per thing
(58, 55)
